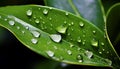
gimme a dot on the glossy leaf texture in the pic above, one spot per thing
(92, 10)
(113, 25)
(58, 35)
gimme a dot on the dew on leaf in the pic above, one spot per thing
(29, 12)
(69, 52)
(61, 29)
(71, 45)
(5, 19)
(27, 27)
(79, 58)
(102, 43)
(0, 17)
(94, 32)
(50, 18)
(79, 40)
(35, 33)
(45, 11)
(100, 52)
(66, 13)
(37, 21)
(72, 23)
(79, 49)
(81, 24)
(50, 53)
(94, 43)
(11, 22)
(23, 31)
(65, 22)
(56, 37)
(34, 41)
(88, 54)
(18, 27)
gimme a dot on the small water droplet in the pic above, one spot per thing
(0, 17)
(34, 17)
(50, 18)
(103, 49)
(18, 27)
(61, 29)
(72, 23)
(79, 40)
(94, 43)
(81, 24)
(71, 45)
(66, 13)
(79, 49)
(35, 33)
(5, 19)
(83, 35)
(100, 52)
(88, 54)
(83, 42)
(61, 58)
(68, 34)
(23, 31)
(79, 58)
(69, 52)
(29, 12)
(37, 21)
(50, 8)
(102, 43)
(11, 22)
(27, 27)
(50, 53)
(56, 37)
(45, 11)
(69, 24)
(40, 17)
(65, 22)
(94, 32)
(39, 8)
(34, 41)
(55, 47)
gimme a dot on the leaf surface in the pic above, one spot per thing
(58, 35)
(92, 10)
(113, 25)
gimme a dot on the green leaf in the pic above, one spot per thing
(91, 10)
(113, 25)
(39, 28)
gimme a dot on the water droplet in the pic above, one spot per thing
(50, 18)
(35, 33)
(81, 24)
(18, 27)
(69, 24)
(71, 45)
(34, 17)
(100, 52)
(83, 35)
(79, 40)
(69, 52)
(40, 17)
(34, 41)
(66, 13)
(79, 58)
(83, 42)
(61, 29)
(55, 47)
(50, 53)
(79, 49)
(72, 23)
(94, 43)
(56, 37)
(29, 12)
(27, 27)
(102, 43)
(94, 32)
(37, 21)
(23, 31)
(45, 11)
(65, 22)
(88, 54)
(5, 19)
(39, 8)
(50, 8)
(103, 49)
(11, 22)
(0, 17)
(68, 34)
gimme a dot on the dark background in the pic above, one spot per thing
(14, 55)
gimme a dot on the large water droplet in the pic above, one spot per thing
(35, 33)
(94, 43)
(50, 53)
(79, 58)
(37, 21)
(81, 24)
(88, 54)
(56, 37)
(45, 11)
(34, 41)
(69, 52)
(29, 12)
(61, 29)
(11, 22)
